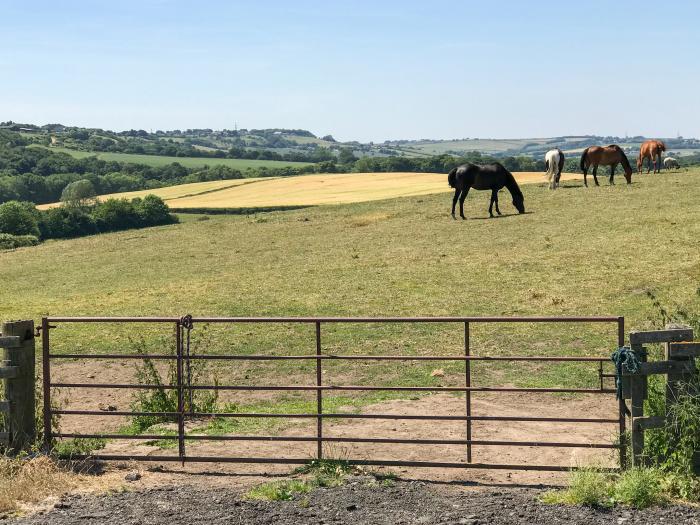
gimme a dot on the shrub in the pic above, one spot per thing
(10, 242)
(153, 211)
(639, 487)
(65, 222)
(19, 218)
(116, 214)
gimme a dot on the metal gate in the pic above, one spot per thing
(183, 359)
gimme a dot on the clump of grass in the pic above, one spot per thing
(78, 446)
(587, 486)
(280, 490)
(640, 488)
(320, 473)
(637, 487)
(29, 481)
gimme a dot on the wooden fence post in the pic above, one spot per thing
(638, 393)
(675, 369)
(19, 375)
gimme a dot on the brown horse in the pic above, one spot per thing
(606, 156)
(651, 150)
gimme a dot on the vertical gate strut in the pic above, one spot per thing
(180, 394)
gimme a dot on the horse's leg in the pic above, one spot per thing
(495, 200)
(454, 202)
(595, 174)
(585, 172)
(612, 173)
(461, 202)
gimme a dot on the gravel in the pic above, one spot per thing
(358, 502)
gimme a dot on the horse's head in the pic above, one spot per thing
(628, 176)
(519, 203)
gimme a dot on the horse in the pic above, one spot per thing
(607, 156)
(651, 150)
(554, 164)
(490, 177)
(671, 163)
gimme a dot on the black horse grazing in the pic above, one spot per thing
(490, 177)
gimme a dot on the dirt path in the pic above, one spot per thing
(362, 501)
(541, 405)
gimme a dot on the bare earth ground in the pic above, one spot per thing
(503, 404)
(362, 500)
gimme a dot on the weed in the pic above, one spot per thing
(587, 486)
(279, 490)
(639, 488)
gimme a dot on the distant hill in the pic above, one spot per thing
(298, 145)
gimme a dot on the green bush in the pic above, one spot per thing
(153, 211)
(19, 218)
(10, 242)
(639, 488)
(65, 222)
(116, 214)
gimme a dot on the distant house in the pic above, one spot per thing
(55, 142)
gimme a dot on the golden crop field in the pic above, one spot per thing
(330, 189)
(306, 190)
(173, 192)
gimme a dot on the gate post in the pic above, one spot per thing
(19, 356)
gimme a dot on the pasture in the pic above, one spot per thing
(576, 252)
(187, 162)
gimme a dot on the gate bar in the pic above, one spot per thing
(319, 396)
(341, 415)
(345, 387)
(359, 462)
(314, 439)
(468, 394)
(491, 319)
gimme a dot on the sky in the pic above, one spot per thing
(361, 70)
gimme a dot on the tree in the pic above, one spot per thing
(78, 193)
(346, 156)
(19, 218)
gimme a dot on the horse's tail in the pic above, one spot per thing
(583, 159)
(546, 166)
(662, 145)
(452, 178)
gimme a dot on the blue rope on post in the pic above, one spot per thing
(627, 358)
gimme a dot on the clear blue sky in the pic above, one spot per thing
(359, 70)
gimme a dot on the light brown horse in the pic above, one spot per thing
(651, 150)
(606, 156)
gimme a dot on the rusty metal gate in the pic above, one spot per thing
(183, 358)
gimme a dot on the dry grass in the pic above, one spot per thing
(31, 481)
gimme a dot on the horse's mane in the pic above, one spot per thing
(623, 158)
(511, 183)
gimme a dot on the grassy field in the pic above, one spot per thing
(188, 162)
(577, 251)
(305, 190)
